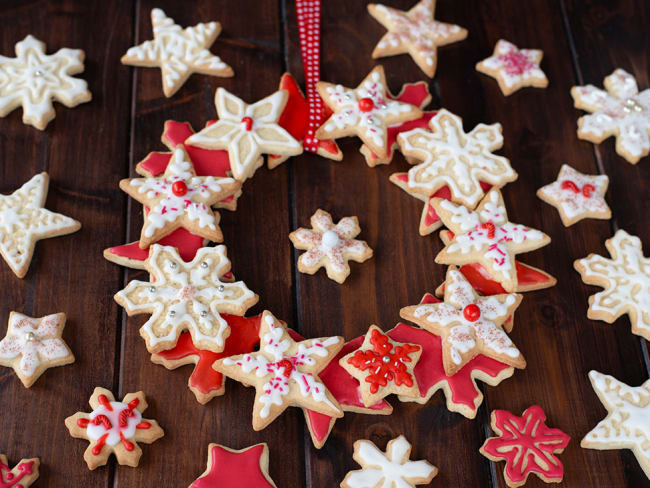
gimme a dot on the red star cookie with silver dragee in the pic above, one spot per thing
(22, 475)
(114, 427)
(365, 111)
(414, 32)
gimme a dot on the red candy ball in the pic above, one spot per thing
(471, 312)
(179, 188)
(366, 104)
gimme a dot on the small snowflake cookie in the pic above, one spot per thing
(527, 445)
(514, 68)
(114, 427)
(390, 469)
(22, 475)
(330, 245)
(178, 52)
(625, 279)
(621, 111)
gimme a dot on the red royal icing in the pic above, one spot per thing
(234, 469)
(248, 123)
(182, 239)
(9, 480)
(586, 190)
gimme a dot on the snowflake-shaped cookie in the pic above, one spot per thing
(452, 158)
(621, 111)
(391, 469)
(625, 279)
(577, 196)
(627, 425)
(33, 79)
(22, 475)
(23, 221)
(414, 32)
(330, 245)
(365, 111)
(184, 296)
(514, 68)
(178, 52)
(487, 237)
(527, 444)
(114, 427)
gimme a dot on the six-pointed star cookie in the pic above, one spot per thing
(514, 68)
(179, 198)
(625, 279)
(248, 131)
(25, 472)
(188, 296)
(178, 52)
(390, 469)
(33, 79)
(33, 345)
(114, 427)
(621, 111)
(23, 221)
(414, 32)
(284, 372)
(486, 236)
(330, 245)
(365, 111)
(577, 196)
(468, 324)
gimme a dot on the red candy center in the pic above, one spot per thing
(366, 104)
(179, 188)
(248, 123)
(287, 366)
(471, 312)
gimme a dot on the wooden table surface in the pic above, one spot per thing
(88, 149)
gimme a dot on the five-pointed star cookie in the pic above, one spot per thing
(23, 221)
(179, 198)
(514, 68)
(486, 236)
(284, 372)
(390, 469)
(33, 79)
(625, 279)
(414, 32)
(114, 427)
(452, 158)
(330, 245)
(248, 131)
(365, 111)
(627, 425)
(33, 345)
(178, 52)
(184, 296)
(468, 324)
(577, 196)
(25, 472)
(621, 111)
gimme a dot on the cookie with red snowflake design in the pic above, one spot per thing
(21, 476)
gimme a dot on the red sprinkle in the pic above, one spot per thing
(587, 190)
(471, 312)
(248, 123)
(570, 185)
(489, 226)
(288, 367)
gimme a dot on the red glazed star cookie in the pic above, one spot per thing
(329, 245)
(577, 196)
(527, 445)
(414, 32)
(114, 427)
(22, 475)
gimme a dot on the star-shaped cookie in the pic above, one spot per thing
(23, 221)
(178, 52)
(577, 196)
(25, 472)
(414, 32)
(514, 68)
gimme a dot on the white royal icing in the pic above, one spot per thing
(94, 432)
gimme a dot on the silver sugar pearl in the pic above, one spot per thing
(630, 101)
(204, 313)
(152, 289)
(371, 121)
(38, 73)
(383, 106)
(627, 109)
(221, 288)
(204, 265)
(347, 96)
(638, 108)
(386, 359)
(30, 337)
(173, 265)
(172, 313)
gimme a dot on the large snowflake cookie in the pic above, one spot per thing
(114, 427)
(284, 372)
(184, 296)
(178, 52)
(330, 245)
(621, 111)
(23, 221)
(414, 32)
(627, 425)
(625, 279)
(514, 68)
(33, 79)
(390, 469)
(22, 475)
(365, 111)
(527, 444)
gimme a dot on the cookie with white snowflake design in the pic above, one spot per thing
(330, 245)
(514, 68)
(577, 196)
(621, 111)
(625, 279)
(34, 79)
